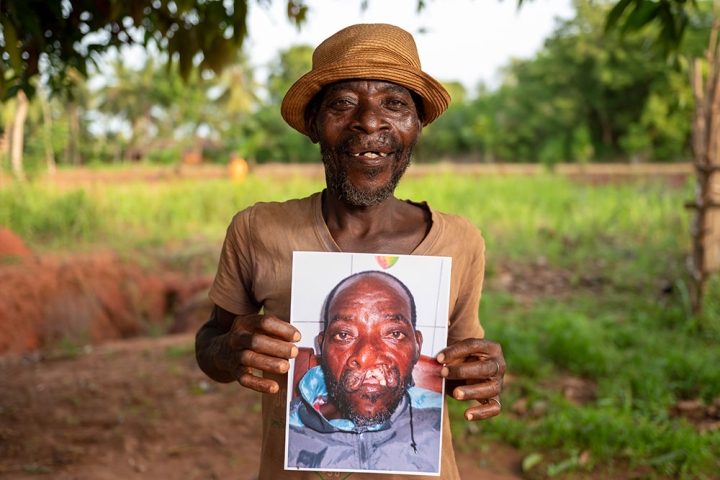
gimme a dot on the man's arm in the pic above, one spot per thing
(474, 369)
(231, 347)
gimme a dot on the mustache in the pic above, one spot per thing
(384, 141)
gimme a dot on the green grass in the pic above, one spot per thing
(623, 325)
(134, 214)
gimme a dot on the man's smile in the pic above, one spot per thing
(370, 154)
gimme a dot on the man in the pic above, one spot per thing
(360, 409)
(365, 101)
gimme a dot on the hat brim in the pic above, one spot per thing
(434, 96)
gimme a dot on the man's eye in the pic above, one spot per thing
(342, 336)
(397, 335)
(342, 103)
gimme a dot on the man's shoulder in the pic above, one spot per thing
(456, 231)
(449, 221)
(278, 206)
(456, 222)
(283, 212)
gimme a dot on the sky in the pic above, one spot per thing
(463, 40)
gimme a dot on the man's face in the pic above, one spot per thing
(369, 349)
(367, 130)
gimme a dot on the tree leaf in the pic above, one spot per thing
(614, 16)
(11, 92)
(645, 11)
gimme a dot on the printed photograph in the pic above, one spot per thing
(365, 392)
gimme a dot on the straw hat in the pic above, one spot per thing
(365, 51)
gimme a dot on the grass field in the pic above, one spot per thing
(620, 326)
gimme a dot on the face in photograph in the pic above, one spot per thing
(369, 346)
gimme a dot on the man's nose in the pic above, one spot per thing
(369, 118)
(366, 354)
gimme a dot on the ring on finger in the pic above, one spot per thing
(498, 368)
(494, 399)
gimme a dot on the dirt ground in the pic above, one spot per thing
(141, 408)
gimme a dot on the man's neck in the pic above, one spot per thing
(393, 226)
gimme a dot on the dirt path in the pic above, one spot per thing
(676, 173)
(141, 408)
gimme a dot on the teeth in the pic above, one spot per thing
(370, 154)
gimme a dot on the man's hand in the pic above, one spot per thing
(231, 347)
(475, 368)
(261, 342)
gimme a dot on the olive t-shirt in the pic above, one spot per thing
(255, 271)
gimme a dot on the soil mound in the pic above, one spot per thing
(11, 245)
(45, 301)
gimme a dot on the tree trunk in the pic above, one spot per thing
(47, 124)
(73, 153)
(18, 131)
(705, 224)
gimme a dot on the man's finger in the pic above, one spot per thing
(279, 329)
(266, 363)
(476, 347)
(477, 391)
(273, 347)
(262, 385)
(473, 370)
(489, 408)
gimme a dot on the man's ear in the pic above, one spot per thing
(419, 341)
(311, 125)
(320, 339)
(420, 129)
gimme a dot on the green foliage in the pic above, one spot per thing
(672, 17)
(601, 82)
(590, 94)
(135, 214)
(643, 360)
(268, 138)
(42, 214)
(68, 36)
(291, 64)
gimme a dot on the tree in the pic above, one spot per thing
(16, 145)
(291, 64)
(590, 90)
(50, 38)
(132, 95)
(56, 38)
(674, 17)
(268, 137)
(157, 107)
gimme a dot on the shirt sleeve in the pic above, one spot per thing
(464, 316)
(232, 288)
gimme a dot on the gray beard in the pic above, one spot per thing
(339, 185)
(338, 397)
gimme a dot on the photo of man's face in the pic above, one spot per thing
(369, 346)
(365, 392)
